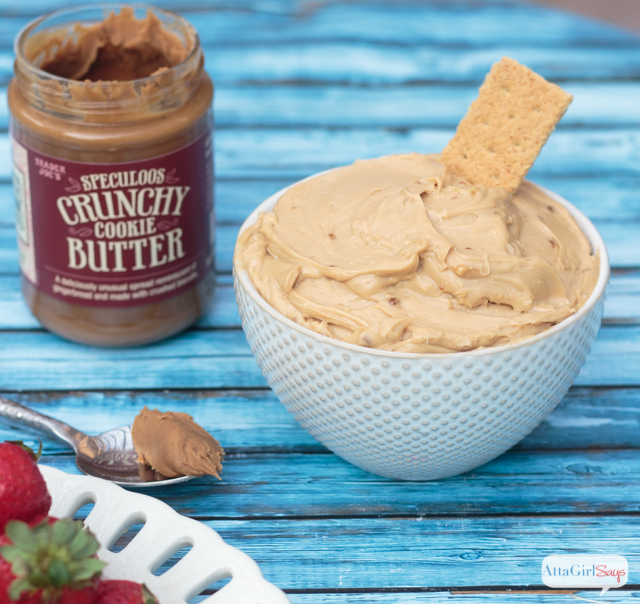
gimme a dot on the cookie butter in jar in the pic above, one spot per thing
(113, 173)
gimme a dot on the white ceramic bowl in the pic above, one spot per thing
(164, 533)
(419, 416)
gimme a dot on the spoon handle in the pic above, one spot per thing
(21, 416)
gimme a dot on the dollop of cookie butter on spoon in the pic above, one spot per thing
(172, 444)
(505, 128)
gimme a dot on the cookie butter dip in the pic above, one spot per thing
(174, 445)
(397, 253)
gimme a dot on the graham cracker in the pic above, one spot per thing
(504, 129)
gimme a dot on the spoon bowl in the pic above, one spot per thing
(110, 455)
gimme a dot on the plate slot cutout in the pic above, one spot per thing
(127, 534)
(216, 585)
(167, 561)
(82, 512)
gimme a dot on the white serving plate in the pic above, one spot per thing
(164, 533)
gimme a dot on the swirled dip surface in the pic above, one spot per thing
(398, 254)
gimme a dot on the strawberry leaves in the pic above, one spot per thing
(147, 596)
(48, 557)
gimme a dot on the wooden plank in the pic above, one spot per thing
(621, 298)
(621, 343)
(339, 554)
(220, 359)
(598, 104)
(622, 245)
(289, 154)
(368, 554)
(590, 418)
(361, 554)
(401, 23)
(254, 421)
(14, 313)
(315, 485)
(411, 24)
(284, 7)
(393, 596)
(595, 103)
(300, 152)
(622, 305)
(364, 63)
(602, 199)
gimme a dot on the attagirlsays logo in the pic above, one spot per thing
(585, 570)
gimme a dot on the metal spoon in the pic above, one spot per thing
(109, 455)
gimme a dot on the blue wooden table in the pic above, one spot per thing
(302, 86)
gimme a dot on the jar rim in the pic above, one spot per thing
(107, 8)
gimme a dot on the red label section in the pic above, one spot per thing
(115, 235)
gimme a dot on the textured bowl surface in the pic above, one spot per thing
(165, 532)
(419, 416)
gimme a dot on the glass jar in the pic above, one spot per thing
(111, 130)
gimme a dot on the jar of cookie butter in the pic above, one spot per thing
(111, 131)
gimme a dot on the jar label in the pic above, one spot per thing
(115, 235)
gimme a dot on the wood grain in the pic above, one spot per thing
(302, 87)
(320, 485)
(362, 63)
(289, 154)
(409, 23)
(222, 359)
(426, 596)
(254, 421)
(340, 554)
(599, 104)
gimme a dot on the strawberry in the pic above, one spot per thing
(86, 595)
(23, 491)
(7, 577)
(123, 592)
(48, 563)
